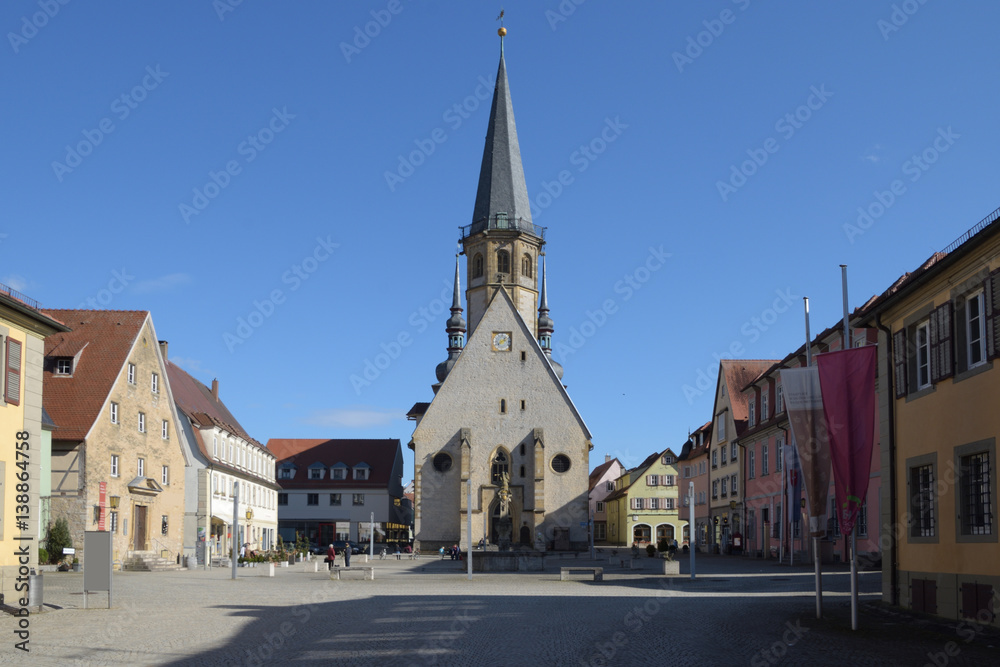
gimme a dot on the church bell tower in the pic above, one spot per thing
(502, 245)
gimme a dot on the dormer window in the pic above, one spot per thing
(361, 471)
(286, 472)
(64, 366)
(339, 471)
(316, 471)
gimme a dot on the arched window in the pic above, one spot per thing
(503, 406)
(503, 261)
(522, 471)
(477, 266)
(500, 467)
(526, 266)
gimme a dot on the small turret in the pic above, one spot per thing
(546, 326)
(455, 327)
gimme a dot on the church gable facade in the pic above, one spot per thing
(502, 410)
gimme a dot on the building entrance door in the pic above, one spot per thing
(327, 534)
(139, 528)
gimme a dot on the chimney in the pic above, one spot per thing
(163, 350)
(607, 458)
(215, 389)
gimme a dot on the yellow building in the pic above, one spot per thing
(23, 330)
(939, 340)
(643, 508)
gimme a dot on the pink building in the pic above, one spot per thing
(767, 433)
(602, 484)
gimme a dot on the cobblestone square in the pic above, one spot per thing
(426, 612)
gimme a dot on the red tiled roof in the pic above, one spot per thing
(738, 373)
(599, 471)
(380, 455)
(197, 402)
(75, 402)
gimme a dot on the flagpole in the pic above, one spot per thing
(854, 528)
(784, 501)
(818, 576)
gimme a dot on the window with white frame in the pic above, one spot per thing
(358, 499)
(142, 422)
(114, 521)
(779, 399)
(725, 487)
(215, 446)
(361, 473)
(610, 486)
(687, 472)
(669, 480)
(638, 504)
(751, 464)
(669, 503)
(165, 430)
(131, 373)
(763, 404)
(654, 503)
(715, 489)
(923, 355)
(335, 499)
(316, 472)
(141, 467)
(751, 410)
(114, 465)
(600, 506)
(165, 475)
(732, 484)
(154, 383)
(667, 459)
(286, 472)
(720, 427)
(64, 366)
(340, 473)
(975, 330)
(114, 413)
(715, 458)
(732, 451)
(652, 480)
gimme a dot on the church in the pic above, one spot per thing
(501, 439)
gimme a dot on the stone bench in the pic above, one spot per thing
(367, 573)
(597, 572)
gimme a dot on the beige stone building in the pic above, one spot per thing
(117, 464)
(501, 424)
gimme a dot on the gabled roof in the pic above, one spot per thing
(196, 401)
(737, 374)
(75, 402)
(501, 296)
(501, 177)
(304, 452)
(597, 473)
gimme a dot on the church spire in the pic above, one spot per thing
(455, 327)
(502, 197)
(546, 326)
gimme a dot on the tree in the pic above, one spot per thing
(58, 539)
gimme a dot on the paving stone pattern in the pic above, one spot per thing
(426, 612)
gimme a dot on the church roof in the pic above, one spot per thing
(502, 189)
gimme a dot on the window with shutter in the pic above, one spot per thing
(941, 352)
(899, 362)
(12, 390)
(992, 307)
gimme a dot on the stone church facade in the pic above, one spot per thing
(501, 427)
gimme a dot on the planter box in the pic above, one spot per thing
(671, 567)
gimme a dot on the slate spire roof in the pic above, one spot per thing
(501, 178)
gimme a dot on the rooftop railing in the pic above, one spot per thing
(14, 294)
(501, 221)
(980, 226)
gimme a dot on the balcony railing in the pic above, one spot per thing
(500, 221)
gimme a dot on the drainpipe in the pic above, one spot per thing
(891, 400)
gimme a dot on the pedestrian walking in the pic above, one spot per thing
(347, 554)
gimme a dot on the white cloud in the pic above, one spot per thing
(161, 284)
(354, 417)
(18, 283)
(873, 154)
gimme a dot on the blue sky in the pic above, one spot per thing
(207, 162)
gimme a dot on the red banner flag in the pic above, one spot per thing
(847, 379)
(804, 401)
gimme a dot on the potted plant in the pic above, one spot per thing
(670, 566)
(76, 564)
(650, 550)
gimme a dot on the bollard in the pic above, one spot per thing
(36, 590)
